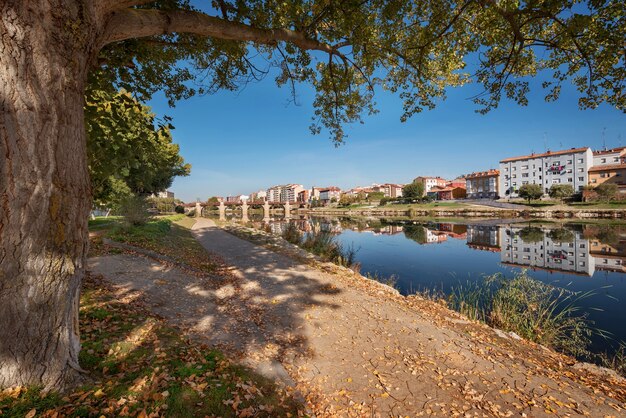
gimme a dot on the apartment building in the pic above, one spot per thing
(164, 195)
(315, 192)
(284, 193)
(546, 254)
(609, 166)
(329, 193)
(391, 190)
(552, 167)
(303, 196)
(430, 182)
(609, 157)
(483, 184)
(260, 196)
(237, 198)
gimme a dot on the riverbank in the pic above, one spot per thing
(463, 210)
(381, 341)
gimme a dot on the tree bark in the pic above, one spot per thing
(44, 188)
(46, 50)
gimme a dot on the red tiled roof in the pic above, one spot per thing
(607, 167)
(478, 174)
(545, 154)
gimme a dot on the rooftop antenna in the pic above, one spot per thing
(604, 138)
(619, 140)
(545, 142)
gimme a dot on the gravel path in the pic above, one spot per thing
(365, 350)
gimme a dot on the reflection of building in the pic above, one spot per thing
(435, 237)
(546, 253)
(456, 231)
(485, 238)
(483, 184)
(609, 256)
(556, 167)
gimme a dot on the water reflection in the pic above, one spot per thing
(574, 248)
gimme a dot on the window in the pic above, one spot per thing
(533, 166)
(569, 161)
(556, 181)
(524, 167)
(580, 160)
(514, 168)
(524, 182)
(603, 175)
(603, 160)
(569, 170)
(514, 184)
(570, 180)
(514, 176)
(506, 168)
(539, 177)
(524, 174)
(581, 264)
(581, 179)
(616, 159)
(556, 163)
(581, 246)
(539, 169)
(506, 183)
(580, 170)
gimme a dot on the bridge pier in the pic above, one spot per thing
(287, 210)
(244, 212)
(198, 210)
(266, 211)
(222, 209)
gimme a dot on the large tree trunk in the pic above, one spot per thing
(44, 189)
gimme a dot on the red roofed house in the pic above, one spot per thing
(483, 184)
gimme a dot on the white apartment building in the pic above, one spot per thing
(556, 167)
(284, 193)
(546, 254)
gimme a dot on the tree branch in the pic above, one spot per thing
(138, 23)
(113, 5)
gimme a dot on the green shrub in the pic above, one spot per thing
(134, 209)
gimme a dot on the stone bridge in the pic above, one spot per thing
(267, 206)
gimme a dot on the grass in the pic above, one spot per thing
(168, 235)
(138, 365)
(322, 244)
(532, 309)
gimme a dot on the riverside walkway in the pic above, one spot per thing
(362, 349)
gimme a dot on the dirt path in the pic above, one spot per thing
(367, 350)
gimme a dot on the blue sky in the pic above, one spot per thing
(239, 142)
